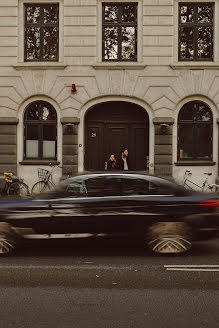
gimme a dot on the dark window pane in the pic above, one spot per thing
(205, 14)
(128, 42)
(32, 132)
(186, 113)
(187, 14)
(204, 141)
(186, 141)
(106, 186)
(33, 43)
(49, 132)
(51, 14)
(50, 43)
(128, 13)
(186, 42)
(111, 42)
(111, 13)
(33, 112)
(204, 42)
(134, 187)
(32, 14)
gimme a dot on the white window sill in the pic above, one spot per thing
(195, 65)
(119, 65)
(39, 65)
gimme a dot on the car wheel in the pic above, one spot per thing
(8, 239)
(169, 237)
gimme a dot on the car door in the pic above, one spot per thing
(96, 209)
(144, 201)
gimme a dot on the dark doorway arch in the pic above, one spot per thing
(110, 126)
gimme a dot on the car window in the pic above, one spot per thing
(103, 186)
(130, 186)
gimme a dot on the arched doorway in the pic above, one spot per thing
(112, 125)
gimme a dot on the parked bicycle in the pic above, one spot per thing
(204, 187)
(45, 182)
(14, 187)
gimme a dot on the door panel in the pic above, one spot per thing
(94, 159)
(116, 137)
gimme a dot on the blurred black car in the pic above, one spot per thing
(166, 216)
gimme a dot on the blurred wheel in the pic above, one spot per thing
(169, 237)
(8, 239)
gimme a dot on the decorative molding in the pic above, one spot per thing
(39, 162)
(119, 66)
(39, 66)
(72, 120)
(160, 120)
(9, 121)
(195, 65)
(195, 163)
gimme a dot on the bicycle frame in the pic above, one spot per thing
(205, 185)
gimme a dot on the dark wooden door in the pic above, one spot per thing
(94, 156)
(111, 126)
(116, 136)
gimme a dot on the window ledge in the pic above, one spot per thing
(195, 65)
(39, 162)
(195, 163)
(119, 66)
(40, 65)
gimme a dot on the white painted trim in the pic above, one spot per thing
(98, 100)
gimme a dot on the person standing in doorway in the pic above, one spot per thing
(111, 163)
(122, 162)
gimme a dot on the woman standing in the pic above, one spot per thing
(111, 163)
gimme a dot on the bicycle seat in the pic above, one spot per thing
(208, 173)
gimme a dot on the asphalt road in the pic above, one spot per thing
(108, 284)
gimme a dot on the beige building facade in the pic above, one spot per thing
(156, 83)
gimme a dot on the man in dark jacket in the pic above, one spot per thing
(122, 162)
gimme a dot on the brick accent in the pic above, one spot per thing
(163, 147)
(8, 145)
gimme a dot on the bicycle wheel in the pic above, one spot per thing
(41, 186)
(18, 188)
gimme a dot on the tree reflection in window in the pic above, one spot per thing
(41, 32)
(196, 31)
(120, 32)
(195, 128)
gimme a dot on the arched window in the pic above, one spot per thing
(40, 131)
(195, 127)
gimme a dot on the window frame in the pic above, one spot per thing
(41, 25)
(195, 129)
(120, 24)
(40, 123)
(196, 25)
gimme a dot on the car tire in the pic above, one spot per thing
(169, 237)
(8, 239)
